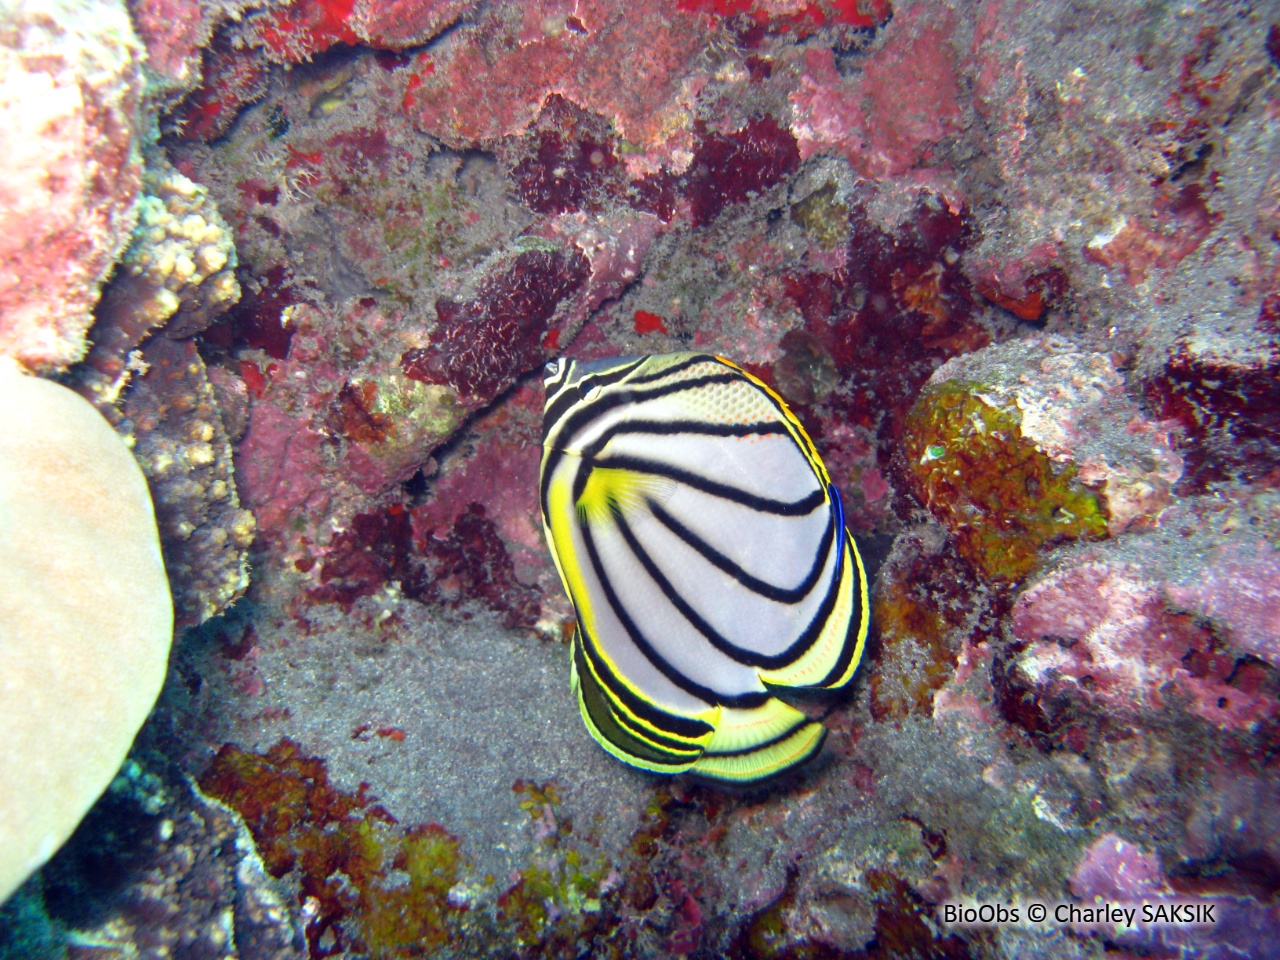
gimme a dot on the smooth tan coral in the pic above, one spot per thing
(85, 615)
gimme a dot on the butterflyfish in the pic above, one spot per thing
(703, 547)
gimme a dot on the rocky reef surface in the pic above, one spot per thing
(1015, 265)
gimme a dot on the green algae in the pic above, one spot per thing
(1002, 499)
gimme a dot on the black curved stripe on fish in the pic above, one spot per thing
(769, 591)
(609, 722)
(673, 724)
(574, 394)
(855, 623)
(585, 413)
(791, 731)
(783, 508)
(641, 643)
(749, 658)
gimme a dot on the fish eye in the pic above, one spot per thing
(593, 394)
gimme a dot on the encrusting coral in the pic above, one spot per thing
(86, 611)
(179, 274)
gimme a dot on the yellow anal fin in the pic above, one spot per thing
(753, 745)
(618, 737)
(741, 730)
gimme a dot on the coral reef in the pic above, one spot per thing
(490, 339)
(347, 850)
(1013, 265)
(303, 28)
(176, 874)
(177, 277)
(1011, 462)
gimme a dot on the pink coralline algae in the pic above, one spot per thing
(174, 31)
(303, 28)
(501, 476)
(70, 84)
(279, 467)
(802, 16)
(615, 246)
(1001, 94)
(1179, 223)
(489, 80)
(231, 78)
(1027, 286)
(1239, 589)
(324, 446)
(1113, 869)
(484, 343)
(903, 102)
(1106, 636)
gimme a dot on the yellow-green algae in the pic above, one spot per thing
(387, 891)
(557, 895)
(377, 887)
(1002, 499)
(823, 217)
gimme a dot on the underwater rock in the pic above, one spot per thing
(70, 85)
(886, 117)
(481, 345)
(1174, 618)
(844, 194)
(1101, 635)
(298, 30)
(1222, 391)
(375, 886)
(334, 427)
(496, 472)
(1114, 869)
(927, 604)
(174, 33)
(159, 870)
(231, 77)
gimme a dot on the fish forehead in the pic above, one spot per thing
(578, 369)
(565, 372)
